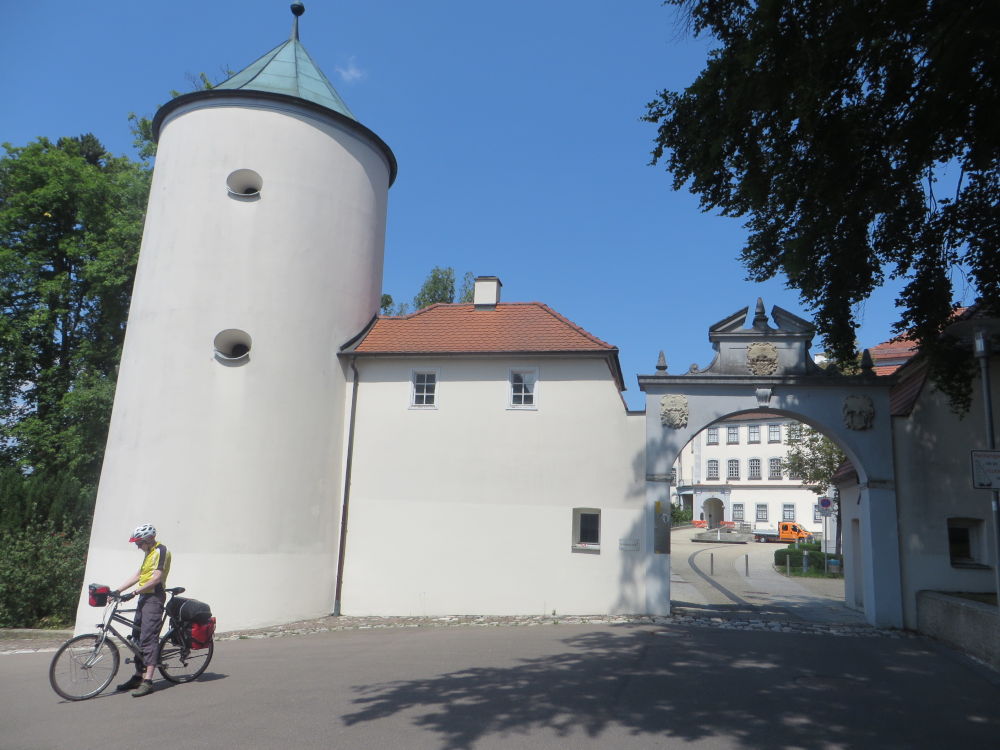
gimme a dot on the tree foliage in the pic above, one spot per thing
(439, 286)
(813, 459)
(71, 220)
(859, 139)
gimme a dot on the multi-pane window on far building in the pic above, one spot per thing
(732, 434)
(712, 471)
(788, 512)
(794, 432)
(753, 468)
(522, 389)
(761, 511)
(738, 511)
(753, 433)
(817, 514)
(774, 468)
(733, 468)
(712, 436)
(774, 433)
(424, 389)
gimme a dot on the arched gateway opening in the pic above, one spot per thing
(769, 368)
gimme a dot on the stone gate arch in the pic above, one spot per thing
(765, 367)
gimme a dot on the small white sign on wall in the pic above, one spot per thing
(986, 470)
(628, 545)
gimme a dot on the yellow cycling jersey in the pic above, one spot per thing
(157, 558)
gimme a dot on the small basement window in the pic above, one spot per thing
(587, 530)
(965, 540)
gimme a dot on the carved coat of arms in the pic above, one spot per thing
(859, 412)
(762, 358)
(674, 411)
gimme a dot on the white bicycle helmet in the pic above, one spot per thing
(141, 533)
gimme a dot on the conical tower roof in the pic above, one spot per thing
(286, 73)
(288, 69)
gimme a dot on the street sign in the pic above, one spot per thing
(825, 503)
(986, 470)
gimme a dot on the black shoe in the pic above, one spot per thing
(134, 682)
(145, 688)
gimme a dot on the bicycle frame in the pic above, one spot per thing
(113, 614)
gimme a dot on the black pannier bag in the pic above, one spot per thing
(189, 610)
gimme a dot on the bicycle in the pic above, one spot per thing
(86, 664)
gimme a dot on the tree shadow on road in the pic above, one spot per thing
(758, 690)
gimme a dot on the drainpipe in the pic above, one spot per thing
(347, 489)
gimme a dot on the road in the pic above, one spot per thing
(739, 580)
(558, 686)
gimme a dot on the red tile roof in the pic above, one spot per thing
(462, 329)
(890, 355)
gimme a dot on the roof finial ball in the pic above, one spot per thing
(297, 10)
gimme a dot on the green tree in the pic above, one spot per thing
(438, 287)
(467, 292)
(71, 220)
(813, 459)
(828, 125)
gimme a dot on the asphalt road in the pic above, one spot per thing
(556, 686)
(739, 579)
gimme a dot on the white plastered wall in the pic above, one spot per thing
(932, 446)
(468, 507)
(238, 465)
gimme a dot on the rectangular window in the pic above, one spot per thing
(732, 434)
(753, 433)
(774, 433)
(424, 389)
(965, 541)
(794, 432)
(774, 468)
(586, 529)
(733, 468)
(753, 468)
(712, 436)
(523, 387)
(788, 512)
(761, 511)
(713, 469)
(737, 511)
(817, 515)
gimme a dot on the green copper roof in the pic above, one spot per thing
(288, 69)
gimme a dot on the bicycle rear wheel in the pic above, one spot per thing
(83, 667)
(181, 663)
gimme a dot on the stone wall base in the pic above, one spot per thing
(967, 625)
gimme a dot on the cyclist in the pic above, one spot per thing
(150, 582)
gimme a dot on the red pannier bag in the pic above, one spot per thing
(98, 595)
(201, 633)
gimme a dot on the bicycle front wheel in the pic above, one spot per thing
(83, 667)
(181, 663)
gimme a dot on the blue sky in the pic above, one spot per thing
(516, 127)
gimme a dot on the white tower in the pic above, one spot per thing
(261, 255)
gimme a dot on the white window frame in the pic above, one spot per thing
(771, 473)
(774, 433)
(817, 514)
(730, 474)
(750, 469)
(413, 388)
(788, 511)
(753, 433)
(709, 474)
(739, 512)
(758, 515)
(533, 373)
(732, 434)
(712, 436)
(578, 544)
